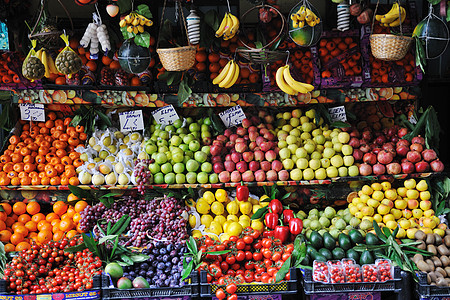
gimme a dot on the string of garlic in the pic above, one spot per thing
(103, 37)
(96, 36)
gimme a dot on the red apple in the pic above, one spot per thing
(229, 165)
(235, 176)
(248, 176)
(277, 165)
(271, 175)
(253, 165)
(265, 165)
(224, 176)
(260, 175)
(218, 167)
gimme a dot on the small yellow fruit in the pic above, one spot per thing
(439, 231)
(412, 194)
(410, 183)
(386, 185)
(410, 232)
(367, 190)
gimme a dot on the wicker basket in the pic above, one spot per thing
(180, 58)
(389, 47)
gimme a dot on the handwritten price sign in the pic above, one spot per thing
(165, 115)
(338, 114)
(232, 116)
(131, 120)
(32, 112)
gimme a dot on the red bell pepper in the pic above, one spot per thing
(295, 226)
(242, 193)
(288, 214)
(276, 206)
(282, 233)
(271, 219)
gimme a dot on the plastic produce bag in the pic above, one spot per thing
(68, 62)
(32, 67)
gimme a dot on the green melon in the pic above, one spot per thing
(433, 34)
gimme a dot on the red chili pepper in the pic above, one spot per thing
(288, 214)
(242, 193)
(271, 220)
(295, 226)
(276, 206)
(282, 233)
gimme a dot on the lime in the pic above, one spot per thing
(234, 229)
(206, 220)
(221, 195)
(208, 196)
(202, 207)
(233, 207)
(217, 208)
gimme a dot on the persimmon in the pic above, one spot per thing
(25, 181)
(16, 158)
(44, 236)
(66, 225)
(18, 167)
(67, 121)
(45, 180)
(66, 160)
(29, 167)
(35, 180)
(74, 141)
(56, 180)
(64, 180)
(28, 159)
(74, 181)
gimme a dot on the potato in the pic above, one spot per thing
(422, 245)
(441, 271)
(447, 270)
(425, 267)
(431, 277)
(445, 260)
(430, 264)
(429, 240)
(436, 261)
(447, 231)
(420, 235)
(417, 257)
(432, 249)
(437, 239)
(447, 240)
(443, 250)
(441, 282)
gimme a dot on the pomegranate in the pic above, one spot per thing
(357, 154)
(407, 167)
(418, 139)
(422, 166)
(389, 146)
(416, 147)
(413, 156)
(385, 157)
(429, 155)
(370, 158)
(394, 168)
(437, 165)
(365, 169)
(403, 142)
(380, 140)
(354, 142)
(402, 150)
(378, 169)
(402, 132)
(364, 148)
(367, 135)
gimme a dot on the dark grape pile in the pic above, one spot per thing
(164, 266)
(160, 219)
(142, 173)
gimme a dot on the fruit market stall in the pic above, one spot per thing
(239, 150)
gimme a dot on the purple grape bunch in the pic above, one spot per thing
(142, 174)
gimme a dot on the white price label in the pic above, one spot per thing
(32, 112)
(131, 120)
(165, 115)
(338, 114)
(232, 116)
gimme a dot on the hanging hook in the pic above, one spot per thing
(229, 7)
(287, 58)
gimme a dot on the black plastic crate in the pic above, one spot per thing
(424, 289)
(161, 87)
(284, 287)
(191, 288)
(311, 287)
(91, 294)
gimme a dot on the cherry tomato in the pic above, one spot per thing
(220, 294)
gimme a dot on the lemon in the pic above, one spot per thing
(233, 208)
(208, 196)
(196, 234)
(225, 225)
(245, 207)
(206, 220)
(232, 218)
(224, 237)
(255, 208)
(253, 201)
(244, 218)
(234, 229)
(215, 227)
(217, 208)
(192, 221)
(220, 219)
(221, 195)
(263, 197)
(244, 223)
(257, 225)
(202, 206)
(213, 236)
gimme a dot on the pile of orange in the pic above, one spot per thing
(380, 69)
(24, 222)
(7, 75)
(43, 154)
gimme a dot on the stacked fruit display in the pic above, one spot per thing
(48, 268)
(407, 207)
(309, 151)
(388, 73)
(43, 153)
(180, 152)
(109, 156)
(23, 223)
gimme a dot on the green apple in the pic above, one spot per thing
(343, 171)
(293, 148)
(308, 174)
(332, 172)
(163, 149)
(320, 173)
(288, 164)
(170, 128)
(349, 160)
(213, 178)
(154, 168)
(206, 167)
(282, 144)
(206, 149)
(328, 152)
(194, 145)
(192, 165)
(347, 149)
(204, 128)
(175, 140)
(180, 178)
(188, 138)
(164, 135)
(202, 177)
(177, 157)
(178, 123)
(191, 177)
(314, 163)
(166, 168)
(178, 168)
(325, 162)
(181, 131)
(162, 143)
(302, 163)
(169, 178)
(194, 127)
(353, 170)
(161, 158)
(337, 161)
(301, 152)
(296, 174)
(200, 156)
(284, 153)
(184, 147)
(158, 178)
(316, 155)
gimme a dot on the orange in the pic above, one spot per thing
(17, 238)
(55, 225)
(61, 80)
(66, 225)
(5, 236)
(7, 208)
(71, 233)
(91, 65)
(44, 225)
(214, 67)
(213, 57)
(38, 217)
(44, 236)
(22, 230)
(51, 216)
(3, 216)
(200, 56)
(106, 60)
(76, 218)
(114, 65)
(10, 247)
(33, 207)
(60, 207)
(19, 208)
(57, 236)
(23, 246)
(24, 218)
(200, 67)
(15, 225)
(9, 221)
(31, 226)
(72, 197)
(71, 211)
(135, 81)
(2, 225)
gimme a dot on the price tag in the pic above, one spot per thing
(232, 116)
(131, 120)
(32, 112)
(338, 114)
(165, 115)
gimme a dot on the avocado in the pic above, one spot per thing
(356, 236)
(306, 261)
(338, 253)
(353, 255)
(372, 239)
(366, 258)
(327, 253)
(344, 241)
(316, 240)
(320, 257)
(328, 241)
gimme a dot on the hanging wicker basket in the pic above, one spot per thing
(389, 47)
(179, 58)
(262, 55)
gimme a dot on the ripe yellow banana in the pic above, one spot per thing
(229, 75)
(45, 62)
(223, 73)
(233, 29)
(39, 54)
(400, 20)
(279, 78)
(51, 64)
(390, 16)
(223, 25)
(235, 76)
(294, 84)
